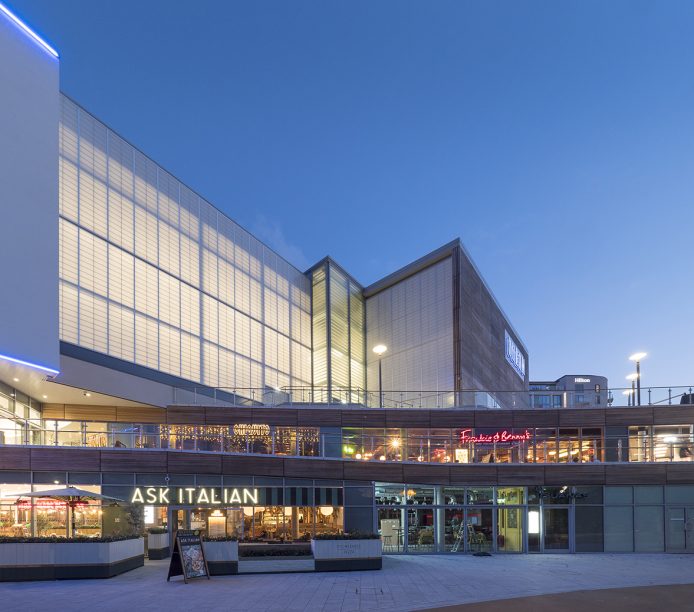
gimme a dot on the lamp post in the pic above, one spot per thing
(379, 349)
(633, 378)
(629, 393)
(637, 357)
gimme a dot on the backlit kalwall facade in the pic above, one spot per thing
(414, 319)
(152, 274)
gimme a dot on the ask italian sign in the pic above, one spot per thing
(212, 496)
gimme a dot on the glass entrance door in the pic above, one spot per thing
(680, 529)
(556, 529)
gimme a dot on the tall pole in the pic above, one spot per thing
(633, 394)
(380, 383)
(638, 381)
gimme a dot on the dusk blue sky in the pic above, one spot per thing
(556, 139)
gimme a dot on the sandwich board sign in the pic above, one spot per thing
(188, 556)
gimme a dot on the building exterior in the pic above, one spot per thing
(173, 361)
(570, 391)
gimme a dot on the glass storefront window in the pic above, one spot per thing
(285, 440)
(389, 495)
(440, 450)
(308, 440)
(454, 495)
(418, 445)
(510, 496)
(545, 446)
(420, 530)
(15, 519)
(394, 445)
(479, 529)
(372, 445)
(480, 496)
(569, 446)
(391, 529)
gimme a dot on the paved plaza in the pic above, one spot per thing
(405, 583)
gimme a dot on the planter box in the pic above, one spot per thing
(158, 545)
(346, 555)
(65, 560)
(222, 557)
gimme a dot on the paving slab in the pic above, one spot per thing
(405, 583)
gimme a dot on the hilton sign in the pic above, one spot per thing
(194, 496)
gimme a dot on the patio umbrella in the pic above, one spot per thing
(73, 497)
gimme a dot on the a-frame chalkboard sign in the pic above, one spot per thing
(188, 556)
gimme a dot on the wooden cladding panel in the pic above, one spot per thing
(316, 468)
(407, 418)
(228, 416)
(75, 412)
(673, 415)
(373, 470)
(493, 418)
(185, 415)
(582, 418)
(680, 473)
(629, 416)
(145, 414)
(363, 418)
(53, 411)
(194, 463)
(520, 475)
(535, 418)
(15, 458)
(455, 419)
(276, 416)
(318, 417)
(644, 473)
(570, 474)
(134, 461)
(474, 475)
(68, 459)
(426, 474)
(257, 466)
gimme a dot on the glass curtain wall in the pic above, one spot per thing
(338, 336)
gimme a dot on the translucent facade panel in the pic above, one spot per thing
(152, 274)
(414, 319)
(338, 334)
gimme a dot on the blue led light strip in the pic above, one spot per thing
(29, 364)
(23, 26)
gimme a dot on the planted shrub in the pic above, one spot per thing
(57, 540)
(348, 535)
(157, 530)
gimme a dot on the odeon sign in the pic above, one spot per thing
(194, 495)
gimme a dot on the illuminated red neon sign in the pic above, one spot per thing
(47, 503)
(499, 437)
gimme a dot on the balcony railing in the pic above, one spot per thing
(473, 399)
(637, 443)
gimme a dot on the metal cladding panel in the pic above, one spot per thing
(29, 198)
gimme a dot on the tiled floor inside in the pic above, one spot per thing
(405, 583)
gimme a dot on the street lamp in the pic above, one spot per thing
(633, 378)
(637, 357)
(628, 392)
(379, 349)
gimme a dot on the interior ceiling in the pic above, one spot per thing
(38, 385)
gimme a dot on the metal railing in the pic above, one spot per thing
(641, 444)
(472, 399)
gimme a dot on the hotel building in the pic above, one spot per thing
(153, 350)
